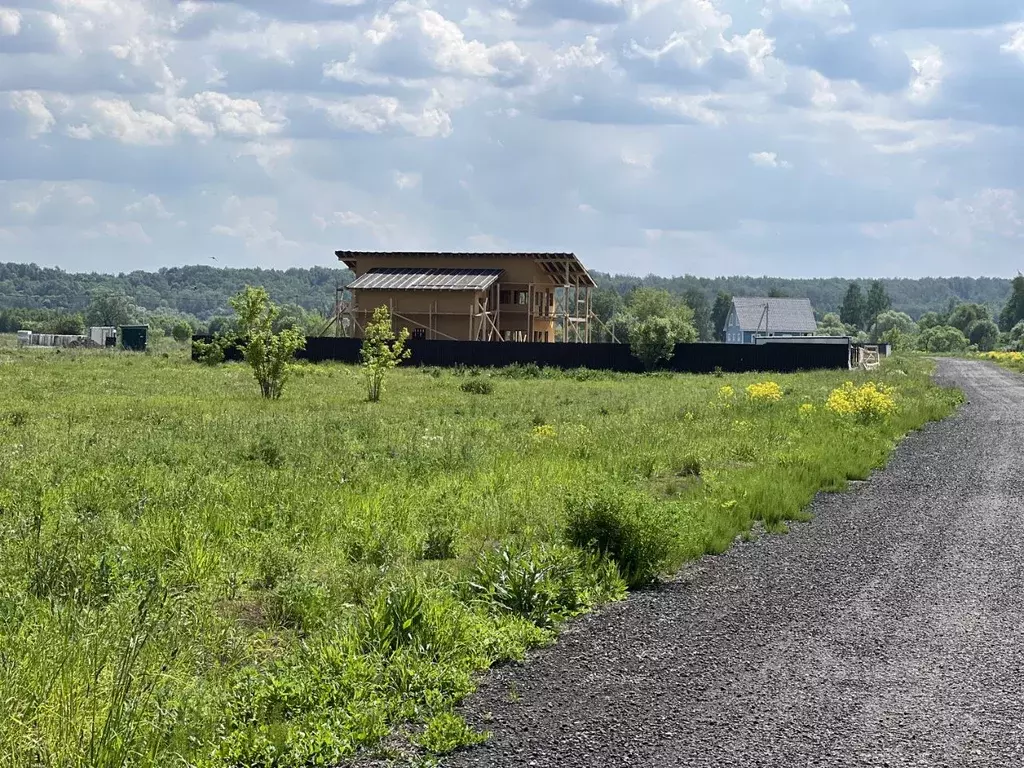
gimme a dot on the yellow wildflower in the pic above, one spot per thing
(764, 392)
(866, 402)
(544, 431)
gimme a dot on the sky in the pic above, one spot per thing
(784, 137)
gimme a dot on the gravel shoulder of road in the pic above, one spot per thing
(889, 630)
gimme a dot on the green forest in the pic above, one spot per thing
(58, 301)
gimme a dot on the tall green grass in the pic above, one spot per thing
(192, 576)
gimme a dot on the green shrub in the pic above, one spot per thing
(522, 371)
(439, 543)
(266, 450)
(621, 524)
(396, 620)
(209, 352)
(447, 732)
(371, 547)
(544, 584)
(181, 331)
(298, 604)
(274, 565)
(269, 354)
(689, 467)
(16, 419)
(477, 386)
(381, 352)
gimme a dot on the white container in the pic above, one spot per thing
(24, 337)
(99, 334)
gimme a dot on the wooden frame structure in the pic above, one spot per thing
(538, 297)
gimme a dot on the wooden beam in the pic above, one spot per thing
(565, 303)
(588, 314)
(497, 312)
(529, 313)
(421, 325)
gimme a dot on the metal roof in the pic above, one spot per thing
(562, 267)
(412, 279)
(783, 314)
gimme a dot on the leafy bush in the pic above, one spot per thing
(297, 604)
(397, 619)
(16, 418)
(267, 450)
(209, 352)
(623, 525)
(382, 351)
(652, 341)
(439, 543)
(868, 402)
(543, 584)
(477, 386)
(689, 467)
(984, 334)
(942, 339)
(522, 371)
(181, 332)
(891, 320)
(447, 732)
(274, 565)
(269, 354)
(1016, 337)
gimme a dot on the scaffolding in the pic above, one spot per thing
(553, 306)
(568, 316)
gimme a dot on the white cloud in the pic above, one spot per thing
(31, 104)
(961, 224)
(254, 221)
(767, 160)
(928, 71)
(118, 119)
(149, 206)
(129, 232)
(1016, 43)
(382, 114)
(10, 22)
(265, 132)
(202, 116)
(209, 112)
(411, 42)
(830, 8)
(407, 180)
(269, 154)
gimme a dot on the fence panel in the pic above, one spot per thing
(688, 358)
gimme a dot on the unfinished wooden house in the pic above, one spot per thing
(541, 297)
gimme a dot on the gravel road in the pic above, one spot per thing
(887, 632)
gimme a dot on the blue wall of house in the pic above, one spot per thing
(734, 334)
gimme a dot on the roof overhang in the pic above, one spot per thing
(425, 279)
(563, 268)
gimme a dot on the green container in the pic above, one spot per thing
(133, 337)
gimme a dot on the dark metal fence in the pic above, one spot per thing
(688, 358)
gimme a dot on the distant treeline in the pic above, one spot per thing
(200, 293)
(915, 297)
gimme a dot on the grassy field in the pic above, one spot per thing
(190, 575)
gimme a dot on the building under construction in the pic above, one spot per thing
(540, 297)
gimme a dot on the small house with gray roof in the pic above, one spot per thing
(752, 317)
